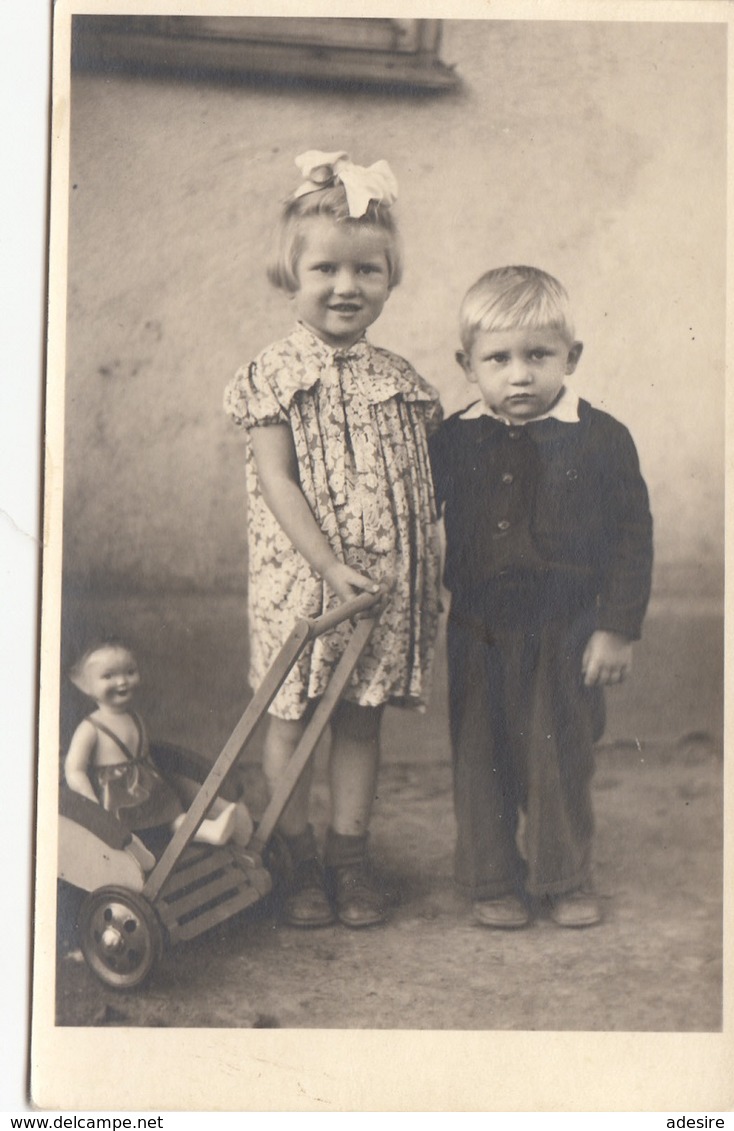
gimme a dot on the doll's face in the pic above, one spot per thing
(109, 676)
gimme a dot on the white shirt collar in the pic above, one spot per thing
(566, 409)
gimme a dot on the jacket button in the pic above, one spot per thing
(508, 477)
(503, 524)
(514, 433)
(572, 473)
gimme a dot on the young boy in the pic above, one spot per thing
(548, 560)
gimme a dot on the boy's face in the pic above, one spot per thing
(342, 277)
(109, 676)
(520, 372)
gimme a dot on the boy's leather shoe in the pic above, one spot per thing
(307, 904)
(575, 909)
(359, 902)
(506, 912)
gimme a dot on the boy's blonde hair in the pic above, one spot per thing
(514, 298)
(330, 202)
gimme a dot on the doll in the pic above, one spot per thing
(109, 762)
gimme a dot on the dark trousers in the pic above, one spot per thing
(523, 728)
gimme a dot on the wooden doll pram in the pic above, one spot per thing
(128, 915)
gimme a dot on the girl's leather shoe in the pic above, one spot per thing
(359, 902)
(307, 904)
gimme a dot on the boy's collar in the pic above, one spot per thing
(565, 408)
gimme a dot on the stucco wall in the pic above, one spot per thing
(595, 150)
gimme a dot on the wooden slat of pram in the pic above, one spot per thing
(212, 916)
(223, 881)
(184, 876)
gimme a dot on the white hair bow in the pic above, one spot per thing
(362, 184)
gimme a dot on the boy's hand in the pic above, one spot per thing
(607, 658)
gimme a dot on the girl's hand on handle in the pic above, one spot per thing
(607, 659)
(347, 583)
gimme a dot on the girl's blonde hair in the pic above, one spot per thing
(330, 202)
(514, 298)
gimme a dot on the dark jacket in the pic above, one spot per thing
(550, 497)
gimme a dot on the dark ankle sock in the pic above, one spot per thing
(302, 846)
(341, 849)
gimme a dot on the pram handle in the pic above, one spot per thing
(345, 611)
(303, 631)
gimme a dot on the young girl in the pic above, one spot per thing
(108, 759)
(340, 501)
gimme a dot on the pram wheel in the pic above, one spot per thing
(120, 936)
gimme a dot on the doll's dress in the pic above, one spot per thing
(133, 789)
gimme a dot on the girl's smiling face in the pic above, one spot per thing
(342, 277)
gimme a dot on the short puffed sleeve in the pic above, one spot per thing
(249, 399)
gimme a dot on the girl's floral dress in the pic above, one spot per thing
(359, 419)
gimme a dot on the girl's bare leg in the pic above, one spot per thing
(281, 740)
(305, 902)
(353, 767)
